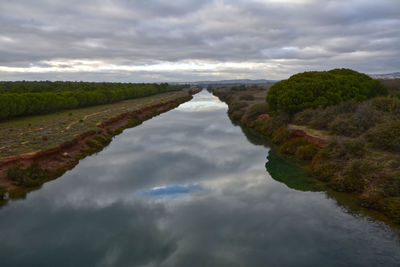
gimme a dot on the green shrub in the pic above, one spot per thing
(237, 115)
(268, 127)
(391, 208)
(32, 176)
(387, 104)
(355, 173)
(324, 88)
(355, 124)
(247, 97)
(254, 111)
(391, 185)
(93, 144)
(281, 135)
(234, 106)
(290, 146)
(323, 168)
(102, 139)
(323, 117)
(306, 152)
(304, 117)
(344, 149)
(385, 136)
(344, 125)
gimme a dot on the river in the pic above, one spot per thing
(188, 188)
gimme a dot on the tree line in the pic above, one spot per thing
(321, 89)
(31, 98)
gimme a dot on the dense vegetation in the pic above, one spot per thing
(362, 148)
(30, 98)
(322, 88)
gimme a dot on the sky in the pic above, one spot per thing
(194, 40)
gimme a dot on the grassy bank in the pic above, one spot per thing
(352, 146)
(27, 164)
(27, 134)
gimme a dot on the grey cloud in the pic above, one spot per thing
(300, 36)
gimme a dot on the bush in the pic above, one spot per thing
(254, 111)
(32, 176)
(385, 136)
(247, 97)
(93, 144)
(237, 115)
(344, 149)
(304, 117)
(355, 173)
(281, 135)
(306, 152)
(344, 125)
(324, 88)
(323, 117)
(387, 104)
(235, 106)
(391, 208)
(324, 169)
(391, 185)
(290, 147)
(268, 127)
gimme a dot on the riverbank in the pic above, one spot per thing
(344, 164)
(23, 172)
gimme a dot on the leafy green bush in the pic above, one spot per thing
(281, 135)
(385, 136)
(32, 176)
(323, 168)
(344, 125)
(290, 147)
(354, 175)
(304, 117)
(323, 117)
(254, 111)
(237, 115)
(324, 88)
(391, 185)
(236, 110)
(268, 127)
(237, 105)
(344, 149)
(391, 208)
(306, 152)
(387, 104)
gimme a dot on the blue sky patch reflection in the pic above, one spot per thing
(172, 190)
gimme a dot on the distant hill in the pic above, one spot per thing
(229, 82)
(387, 76)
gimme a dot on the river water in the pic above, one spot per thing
(188, 188)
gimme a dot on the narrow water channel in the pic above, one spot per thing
(187, 188)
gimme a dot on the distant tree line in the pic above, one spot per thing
(31, 98)
(322, 88)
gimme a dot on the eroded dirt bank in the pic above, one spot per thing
(22, 173)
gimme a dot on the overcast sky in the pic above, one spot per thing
(178, 40)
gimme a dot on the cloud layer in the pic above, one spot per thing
(156, 40)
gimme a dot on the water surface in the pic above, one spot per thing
(187, 188)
